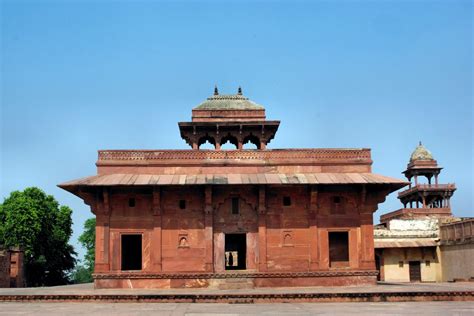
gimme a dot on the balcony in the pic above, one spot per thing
(450, 187)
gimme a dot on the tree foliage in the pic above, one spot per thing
(87, 240)
(81, 274)
(37, 223)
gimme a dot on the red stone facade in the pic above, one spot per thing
(200, 218)
(12, 267)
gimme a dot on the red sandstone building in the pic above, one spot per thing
(261, 217)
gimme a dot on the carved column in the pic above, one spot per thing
(313, 229)
(156, 239)
(240, 139)
(262, 230)
(209, 231)
(366, 257)
(102, 234)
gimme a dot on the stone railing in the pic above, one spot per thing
(458, 232)
(284, 154)
(428, 187)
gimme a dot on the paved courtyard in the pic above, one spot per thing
(173, 309)
(86, 289)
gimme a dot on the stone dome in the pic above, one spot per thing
(228, 102)
(421, 153)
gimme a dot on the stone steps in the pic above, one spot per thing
(235, 284)
(247, 298)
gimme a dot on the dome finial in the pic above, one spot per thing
(216, 91)
(239, 91)
(421, 153)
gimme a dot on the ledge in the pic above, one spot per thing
(229, 275)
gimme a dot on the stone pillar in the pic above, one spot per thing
(323, 249)
(156, 237)
(313, 229)
(354, 248)
(262, 229)
(102, 235)
(382, 265)
(209, 231)
(366, 257)
(362, 240)
(102, 242)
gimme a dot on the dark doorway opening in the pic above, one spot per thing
(235, 251)
(131, 252)
(338, 249)
(415, 271)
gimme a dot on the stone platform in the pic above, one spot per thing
(383, 292)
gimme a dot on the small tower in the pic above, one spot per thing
(423, 199)
(228, 118)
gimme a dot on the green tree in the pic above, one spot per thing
(37, 223)
(81, 274)
(87, 240)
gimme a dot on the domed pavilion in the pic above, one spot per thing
(430, 199)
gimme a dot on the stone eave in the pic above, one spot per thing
(130, 180)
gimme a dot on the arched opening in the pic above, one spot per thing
(229, 142)
(251, 142)
(207, 142)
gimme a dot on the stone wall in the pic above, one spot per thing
(457, 261)
(4, 268)
(408, 228)
(457, 249)
(17, 273)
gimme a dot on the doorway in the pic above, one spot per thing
(131, 252)
(338, 249)
(415, 271)
(235, 251)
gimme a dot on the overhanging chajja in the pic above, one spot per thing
(117, 179)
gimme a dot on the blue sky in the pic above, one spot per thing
(78, 76)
